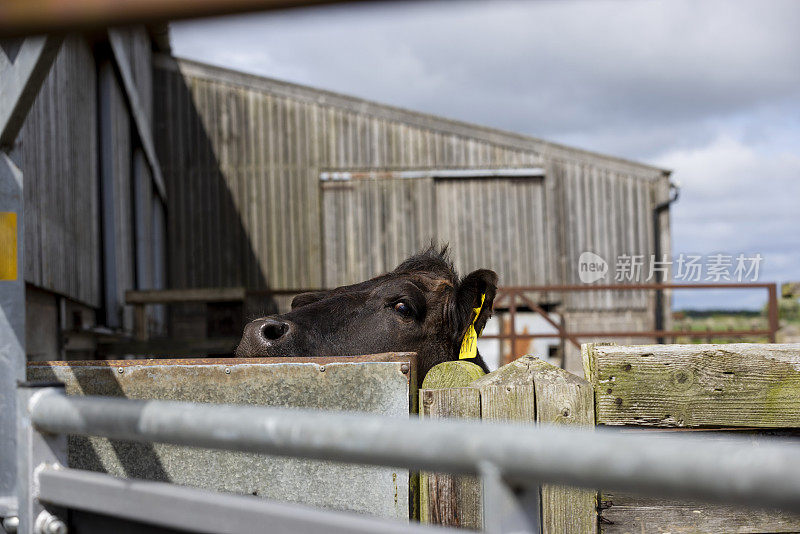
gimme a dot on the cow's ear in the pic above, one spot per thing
(477, 286)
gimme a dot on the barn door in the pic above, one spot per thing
(497, 223)
(370, 225)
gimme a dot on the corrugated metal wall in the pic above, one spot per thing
(242, 158)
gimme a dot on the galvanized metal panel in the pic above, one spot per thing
(382, 384)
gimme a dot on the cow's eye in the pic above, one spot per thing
(403, 309)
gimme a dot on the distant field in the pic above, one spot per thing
(715, 321)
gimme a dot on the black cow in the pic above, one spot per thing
(421, 306)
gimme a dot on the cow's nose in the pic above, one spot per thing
(273, 329)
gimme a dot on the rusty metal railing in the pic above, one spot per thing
(512, 298)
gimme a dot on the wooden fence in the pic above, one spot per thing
(747, 389)
(527, 390)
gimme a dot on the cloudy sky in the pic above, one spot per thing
(709, 89)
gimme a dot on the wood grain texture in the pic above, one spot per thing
(675, 386)
(531, 390)
(447, 499)
(565, 399)
(734, 385)
(625, 513)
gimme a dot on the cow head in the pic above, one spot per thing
(422, 306)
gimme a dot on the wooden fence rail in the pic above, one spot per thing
(745, 388)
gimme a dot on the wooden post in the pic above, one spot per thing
(532, 390)
(140, 322)
(526, 390)
(512, 317)
(446, 499)
(772, 312)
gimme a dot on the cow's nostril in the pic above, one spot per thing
(273, 330)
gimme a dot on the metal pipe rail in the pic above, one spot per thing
(196, 510)
(722, 469)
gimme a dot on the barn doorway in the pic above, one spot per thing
(492, 218)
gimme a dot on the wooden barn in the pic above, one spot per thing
(281, 186)
(143, 171)
(94, 199)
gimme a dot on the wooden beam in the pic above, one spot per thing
(28, 17)
(20, 80)
(722, 385)
(170, 296)
(140, 118)
(171, 348)
(623, 513)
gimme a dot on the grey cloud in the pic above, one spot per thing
(539, 67)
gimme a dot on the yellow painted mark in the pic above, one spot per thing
(8, 245)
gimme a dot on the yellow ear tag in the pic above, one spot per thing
(469, 347)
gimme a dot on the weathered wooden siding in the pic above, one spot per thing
(242, 156)
(57, 151)
(369, 225)
(117, 187)
(60, 152)
(610, 213)
(497, 223)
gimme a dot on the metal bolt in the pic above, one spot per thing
(10, 524)
(321, 368)
(121, 370)
(404, 368)
(227, 370)
(47, 523)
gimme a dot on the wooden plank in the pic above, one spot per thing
(529, 389)
(508, 394)
(140, 116)
(166, 296)
(446, 499)
(630, 513)
(140, 322)
(21, 80)
(565, 399)
(623, 513)
(734, 385)
(454, 374)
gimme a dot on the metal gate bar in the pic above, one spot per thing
(726, 469)
(199, 510)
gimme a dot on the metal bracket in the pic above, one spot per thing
(508, 508)
(36, 451)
